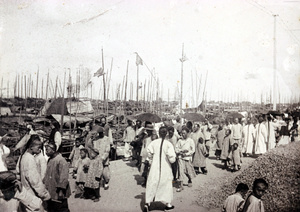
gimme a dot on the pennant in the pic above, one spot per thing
(184, 58)
(99, 73)
(139, 60)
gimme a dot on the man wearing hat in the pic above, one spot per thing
(102, 145)
(56, 180)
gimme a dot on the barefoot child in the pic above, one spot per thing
(234, 203)
(92, 183)
(253, 202)
(81, 168)
(200, 156)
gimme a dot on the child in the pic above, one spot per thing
(253, 202)
(226, 149)
(236, 159)
(200, 157)
(81, 168)
(92, 183)
(185, 149)
(75, 154)
(234, 202)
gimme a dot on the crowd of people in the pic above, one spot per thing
(191, 145)
(166, 155)
(41, 179)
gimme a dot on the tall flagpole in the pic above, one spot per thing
(137, 84)
(182, 59)
(274, 67)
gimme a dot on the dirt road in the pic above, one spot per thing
(127, 195)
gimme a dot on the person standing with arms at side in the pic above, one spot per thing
(136, 151)
(102, 145)
(270, 127)
(220, 139)
(206, 130)
(248, 137)
(185, 149)
(128, 137)
(237, 130)
(55, 136)
(261, 137)
(159, 186)
(56, 180)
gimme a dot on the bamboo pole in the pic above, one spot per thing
(70, 102)
(144, 95)
(29, 86)
(47, 85)
(1, 86)
(55, 87)
(63, 106)
(21, 88)
(37, 86)
(7, 89)
(25, 95)
(18, 85)
(104, 89)
(42, 94)
(137, 85)
(108, 84)
(15, 87)
(125, 97)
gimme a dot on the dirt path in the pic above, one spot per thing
(127, 194)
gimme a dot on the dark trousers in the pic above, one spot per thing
(174, 169)
(58, 206)
(203, 169)
(207, 145)
(91, 192)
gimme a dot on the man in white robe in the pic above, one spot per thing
(261, 137)
(248, 137)
(270, 127)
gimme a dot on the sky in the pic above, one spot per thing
(229, 41)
